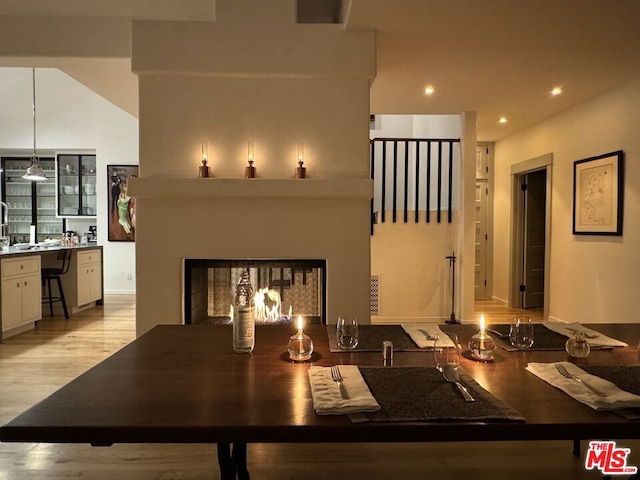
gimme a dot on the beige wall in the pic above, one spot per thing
(592, 278)
(414, 277)
(251, 77)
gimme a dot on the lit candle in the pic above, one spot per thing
(482, 332)
(290, 312)
(250, 151)
(300, 151)
(205, 151)
(300, 335)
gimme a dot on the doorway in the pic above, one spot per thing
(531, 220)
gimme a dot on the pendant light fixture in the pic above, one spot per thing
(34, 170)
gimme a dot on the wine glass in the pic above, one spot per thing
(347, 333)
(444, 353)
(521, 332)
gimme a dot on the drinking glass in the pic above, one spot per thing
(347, 333)
(521, 332)
(444, 353)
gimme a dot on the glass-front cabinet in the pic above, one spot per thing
(30, 202)
(76, 185)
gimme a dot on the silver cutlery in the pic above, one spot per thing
(499, 334)
(563, 371)
(586, 335)
(451, 375)
(428, 336)
(336, 376)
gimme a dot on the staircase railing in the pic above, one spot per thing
(420, 166)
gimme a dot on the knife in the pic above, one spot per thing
(450, 374)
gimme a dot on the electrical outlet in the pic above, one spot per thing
(129, 276)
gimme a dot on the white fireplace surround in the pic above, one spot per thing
(324, 218)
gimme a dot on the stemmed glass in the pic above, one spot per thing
(444, 353)
(347, 333)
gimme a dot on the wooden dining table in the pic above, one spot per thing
(184, 384)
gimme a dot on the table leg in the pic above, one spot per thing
(233, 462)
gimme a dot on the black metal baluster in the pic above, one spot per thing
(395, 180)
(450, 179)
(406, 180)
(373, 177)
(428, 207)
(417, 180)
(439, 180)
(384, 179)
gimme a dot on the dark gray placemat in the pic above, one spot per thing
(625, 377)
(372, 336)
(410, 394)
(543, 338)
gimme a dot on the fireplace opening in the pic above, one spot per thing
(283, 290)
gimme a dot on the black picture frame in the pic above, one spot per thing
(121, 216)
(598, 194)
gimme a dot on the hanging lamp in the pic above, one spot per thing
(34, 170)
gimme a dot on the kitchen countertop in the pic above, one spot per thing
(36, 250)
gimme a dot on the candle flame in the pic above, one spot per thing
(482, 323)
(300, 322)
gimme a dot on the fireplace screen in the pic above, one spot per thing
(283, 290)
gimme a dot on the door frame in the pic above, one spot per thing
(518, 170)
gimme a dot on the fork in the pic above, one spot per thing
(563, 371)
(586, 335)
(336, 376)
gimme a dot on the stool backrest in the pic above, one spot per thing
(65, 257)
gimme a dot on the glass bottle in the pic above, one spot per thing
(244, 324)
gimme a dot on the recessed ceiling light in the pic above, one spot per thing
(503, 120)
(556, 91)
(429, 89)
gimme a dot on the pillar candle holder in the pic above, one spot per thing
(301, 172)
(300, 345)
(250, 170)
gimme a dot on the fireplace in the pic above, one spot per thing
(283, 290)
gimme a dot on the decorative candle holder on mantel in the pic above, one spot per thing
(300, 345)
(481, 345)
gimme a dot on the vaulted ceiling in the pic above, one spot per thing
(496, 57)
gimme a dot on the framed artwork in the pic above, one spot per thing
(598, 194)
(121, 223)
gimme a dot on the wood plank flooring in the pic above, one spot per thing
(36, 363)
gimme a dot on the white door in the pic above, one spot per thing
(480, 220)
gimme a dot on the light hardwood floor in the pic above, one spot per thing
(36, 363)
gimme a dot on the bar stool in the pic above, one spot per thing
(50, 273)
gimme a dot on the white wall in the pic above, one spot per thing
(592, 278)
(70, 116)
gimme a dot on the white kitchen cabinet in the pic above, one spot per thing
(20, 291)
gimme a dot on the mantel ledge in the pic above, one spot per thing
(326, 188)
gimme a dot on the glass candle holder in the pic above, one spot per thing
(577, 346)
(482, 346)
(300, 346)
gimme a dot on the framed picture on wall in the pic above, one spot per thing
(598, 194)
(121, 223)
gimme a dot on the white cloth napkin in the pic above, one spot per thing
(420, 331)
(614, 398)
(568, 329)
(327, 399)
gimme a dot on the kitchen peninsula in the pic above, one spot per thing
(21, 283)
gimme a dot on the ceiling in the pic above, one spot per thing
(495, 57)
(498, 57)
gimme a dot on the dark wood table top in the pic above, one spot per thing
(185, 384)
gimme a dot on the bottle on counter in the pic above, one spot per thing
(244, 323)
